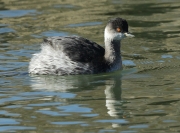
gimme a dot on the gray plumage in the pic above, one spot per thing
(77, 55)
(76, 48)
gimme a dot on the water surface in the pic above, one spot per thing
(144, 97)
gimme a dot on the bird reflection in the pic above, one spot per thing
(75, 84)
(113, 97)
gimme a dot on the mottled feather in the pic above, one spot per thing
(76, 48)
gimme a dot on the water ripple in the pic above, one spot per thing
(15, 13)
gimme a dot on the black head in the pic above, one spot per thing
(117, 29)
(119, 25)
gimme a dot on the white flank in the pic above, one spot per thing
(51, 61)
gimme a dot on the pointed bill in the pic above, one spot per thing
(128, 35)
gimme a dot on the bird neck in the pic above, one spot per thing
(112, 51)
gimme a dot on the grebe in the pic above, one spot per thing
(77, 55)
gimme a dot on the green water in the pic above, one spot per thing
(142, 98)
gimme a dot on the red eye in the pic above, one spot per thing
(118, 29)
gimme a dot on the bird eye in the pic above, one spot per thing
(118, 29)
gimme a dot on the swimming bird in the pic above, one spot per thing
(72, 55)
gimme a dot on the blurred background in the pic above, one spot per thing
(143, 97)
